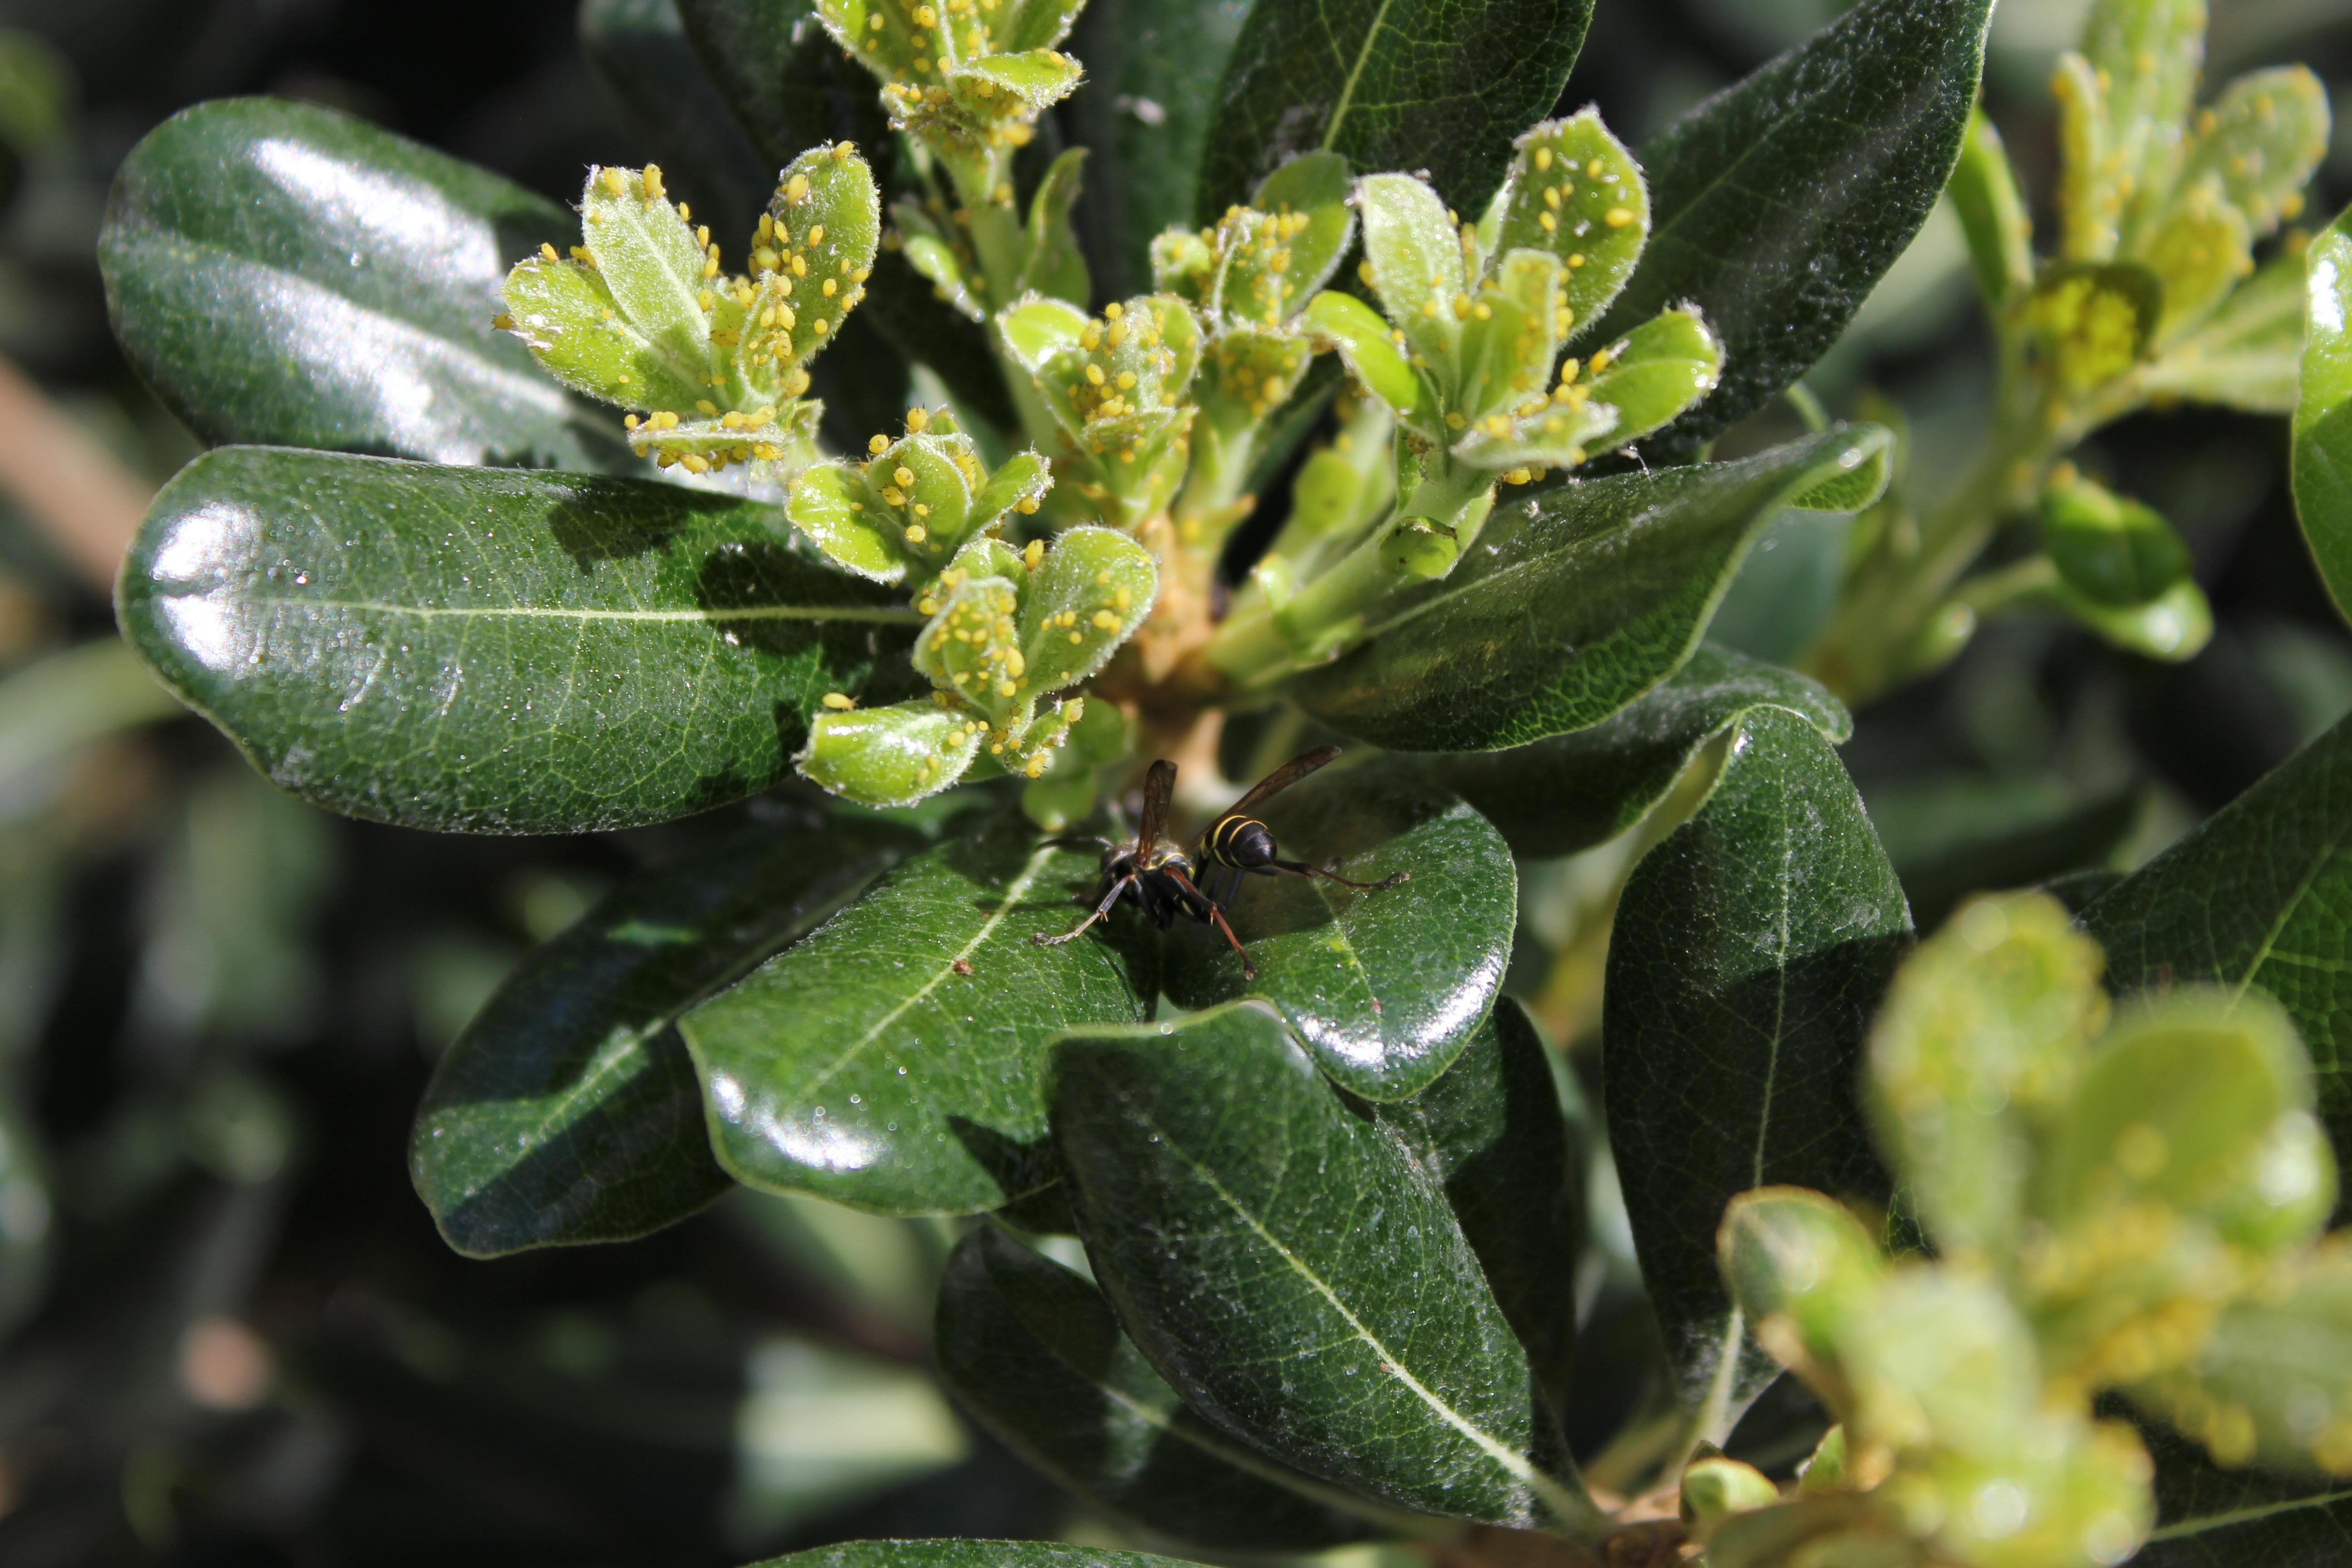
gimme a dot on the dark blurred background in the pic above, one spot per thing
(228, 1332)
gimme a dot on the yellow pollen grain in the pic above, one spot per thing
(1618, 217)
(1106, 620)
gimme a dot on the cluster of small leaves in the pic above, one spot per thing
(2121, 1199)
(966, 79)
(642, 314)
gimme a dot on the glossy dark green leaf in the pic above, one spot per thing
(2261, 895)
(1152, 68)
(2323, 414)
(788, 84)
(1568, 606)
(965, 1554)
(283, 273)
(1574, 790)
(569, 1112)
(1776, 206)
(1034, 1353)
(1383, 987)
(2208, 1516)
(1440, 85)
(889, 1061)
(1750, 949)
(481, 651)
(1284, 1260)
(640, 51)
(1497, 1132)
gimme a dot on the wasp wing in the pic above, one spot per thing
(1159, 787)
(1283, 778)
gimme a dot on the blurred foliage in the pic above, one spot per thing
(228, 1332)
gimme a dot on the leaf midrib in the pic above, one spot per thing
(1564, 1503)
(1355, 73)
(881, 614)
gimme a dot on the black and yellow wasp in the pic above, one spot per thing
(1166, 878)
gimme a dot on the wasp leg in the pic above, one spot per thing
(1101, 909)
(1299, 869)
(1217, 918)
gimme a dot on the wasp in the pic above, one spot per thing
(1165, 877)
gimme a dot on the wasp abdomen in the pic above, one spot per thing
(1243, 843)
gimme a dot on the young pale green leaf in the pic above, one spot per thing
(1087, 595)
(651, 266)
(1751, 948)
(1570, 606)
(2272, 1384)
(2201, 1103)
(834, 505)
(828, 224)
(1413, 247)
(1992, 214)
(1985, 1029)
(891, 756)
(1654, 372)
(2110, 549)
(2174, 626)
(1313, 186)
(1239, 1214)
(1576, 194)
(1384, 988)
(1400, 84)
(283, 273)
(1572, 792)
(2147, 55)
(565, 314)
(1776, 205)
(2247, 354)
(1034, 1353)
(569, 1112)
(1357, 330)
(1495, 1132)
(1052, 264)
(1793, 1253)
(2260, 141)
(479, 651)
(2204, 250)
(2090, 198)
(889, 1062)
(2323, 412)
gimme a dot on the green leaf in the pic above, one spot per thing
(1982, 1033)
(1777, 205)
(890, 756)
(1572, 792)
(1992, 214)
(1034, 1353)
(2247, 354)
(863, 1066)
(1444, 85)
(1788, 1250)
(1052, 263)
(1241, 1215)
(1384, 988)
(1495, 1132)
(2110, 549)
(568, 1111)
(1576, 191)
(2323, 412)
(965, 1554)
(1357, 330)
(286, 274)
(1571, 605)
(2261, 895)
(1665, 365)
(2260, 141)
(2148, 55)
(473, 650)
(1750, 948)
